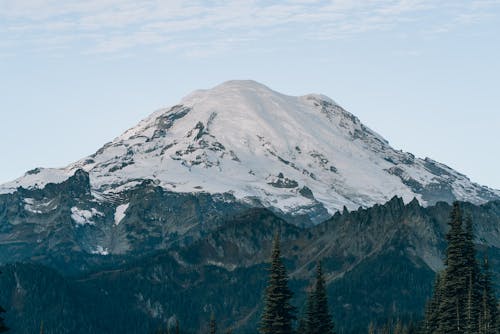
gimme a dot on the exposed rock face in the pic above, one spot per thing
(379, 262)
(66, 227)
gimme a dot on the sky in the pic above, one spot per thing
(423, 74)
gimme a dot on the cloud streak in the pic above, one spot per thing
(111, 26)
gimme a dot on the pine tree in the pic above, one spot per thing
(213, 324)
(473, 280)
(310, 322)
(386, 329)
(177, 330)
(324, 319)
(371, 328)
(412, 328)
(161, 330)
(452, 308)
(489, 317)
(398, 329)
(430, 323)
(301, 327)
(318, 319)
(278, 312)
(3, 327)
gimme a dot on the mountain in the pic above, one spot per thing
(379, 264)
(174, 219)
(301, 156)
(64, 226)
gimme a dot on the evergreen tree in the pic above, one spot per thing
(3, 327)
(311, 321)
(473, 280)
(412, 328)
(371, 328)
(430, 323)
(213, 324)
(324, 319)
(177, 330)
(489, 317)
(301, 327)
(162, 330)
(318, 319)
(278, 312)
(398, 329)
(386, 329)
(452, 308)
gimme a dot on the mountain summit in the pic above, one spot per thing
(292, 154)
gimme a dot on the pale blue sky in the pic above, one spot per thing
(424, 74)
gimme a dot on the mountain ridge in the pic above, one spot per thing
(379, 272)
(297, 155)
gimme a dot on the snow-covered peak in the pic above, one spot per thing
(236, 86)
(289, 152)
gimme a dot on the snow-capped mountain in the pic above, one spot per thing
(167, 218)
(288, 153)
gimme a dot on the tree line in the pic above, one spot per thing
(279, 315)
(463, 299)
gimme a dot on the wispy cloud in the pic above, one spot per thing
(110, 26)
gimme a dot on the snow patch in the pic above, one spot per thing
(29, 201)
(29, 208)
(38, 207)
(100, 251)
(120, 212)
(84, 217)
(37, 179)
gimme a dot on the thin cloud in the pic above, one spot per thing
(108, 26)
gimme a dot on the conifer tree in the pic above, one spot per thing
(318, 318)
(489, 317)
(3, 327)
(278, 312)
(398, 329)
(371, 328)
(324, 319)
(472, 319)
(452, 308)
(311, 321)
(473, 280)
(301, 327)
(177, 330)
(430, 323)
(386, 329)
(213, 324)
(412, 328)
